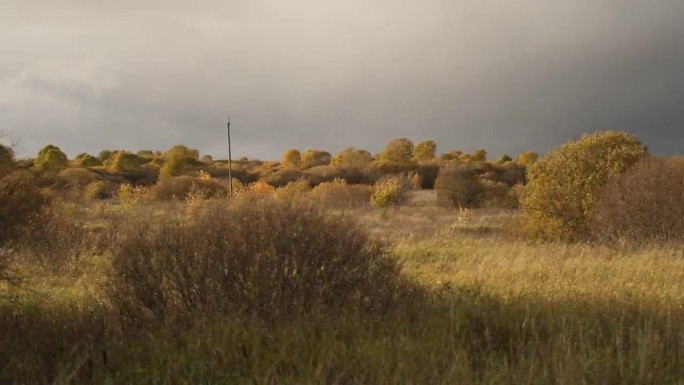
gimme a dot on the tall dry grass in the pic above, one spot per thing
(493, 310)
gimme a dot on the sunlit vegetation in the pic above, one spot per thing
(409, 267)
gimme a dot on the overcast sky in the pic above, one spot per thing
(504, 75)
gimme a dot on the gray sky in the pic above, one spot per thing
(505, 75)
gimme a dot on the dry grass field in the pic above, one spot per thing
(489, 308)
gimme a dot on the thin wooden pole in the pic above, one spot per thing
(230, 163)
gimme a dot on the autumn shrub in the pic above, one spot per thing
(124, 161)
(145, 175)
(390, 192)
(51, 160)
(283, 177)
(238, 187)
(292, 191)
(21, 206)
(510, 173)
(86, 160)
(265, 169)
(415, 181)
(174, 167)
(398, 152)
(352, 158)
(56, 240)
(261, 188)
(179, 188)
(101, 189)
(38, 224)
(382, 169)
(195, 201)
(220, 170)
(251, 257)
(527, 158)
(352, 175)
(78, 177)
(498, 195)
(645, 204)
(481, 167)
(425, 151)
(313, 158)
(292, 159)
(130, 196)
(458, 186)
(563, 186)
(340, 194)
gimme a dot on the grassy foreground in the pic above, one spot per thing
(500, 311)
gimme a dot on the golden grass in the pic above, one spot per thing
(500, 311)
(509, 269)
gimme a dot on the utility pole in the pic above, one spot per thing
(230, 163)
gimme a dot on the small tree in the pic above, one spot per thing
(149, 154)
(505, 159)
(176, 161)
(313, 158)
(77, 177)
(353, 157)
(451, 155)
(458, 186)
(51, 159)
(479, 156)
(173, 167)
(181, 152)
(390, 191)
(399, 151)
(562, 188)
(527, 158)
(292, 158)
(425, 151)
(208, 159)
(104, 155)
(86, 160)
(126, 162)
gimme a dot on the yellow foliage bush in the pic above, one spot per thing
(562, 187)
(261, 188)
(180, 187)
(101, 189)
(130, 196)
(340, 194)
(202, 174)
(195, 201)
(78, 177)
(292, 191)
(498, 195)
(390, 191)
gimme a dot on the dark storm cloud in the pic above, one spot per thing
(503, 75)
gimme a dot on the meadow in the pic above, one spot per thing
(399, 268)
(493, 308)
